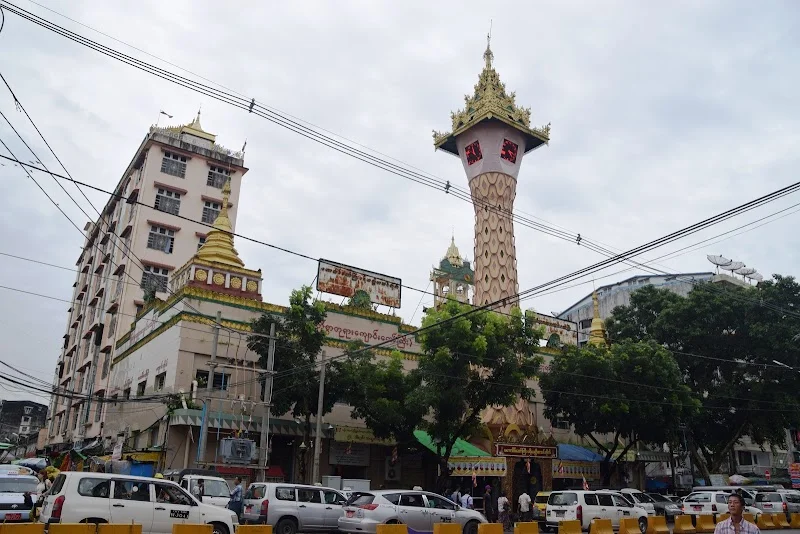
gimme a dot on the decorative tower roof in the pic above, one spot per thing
(453, 255)
(453, 266)
(490, 102)
(219, 241)
(193, 128)
(597, 333)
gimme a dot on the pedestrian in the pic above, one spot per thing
(456, 496)
(199, 489)
(235, 504)
(488, 504)
(736, 524)
(504, 511)
(466, 501)
(525, 506)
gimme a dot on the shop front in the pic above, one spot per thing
(529, 466)
(576, 464)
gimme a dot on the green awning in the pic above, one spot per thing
(461, 447)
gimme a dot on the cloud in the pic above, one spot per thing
(661, 116)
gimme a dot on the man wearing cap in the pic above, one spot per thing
(736, 524)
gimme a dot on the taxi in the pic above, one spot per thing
(17, 495)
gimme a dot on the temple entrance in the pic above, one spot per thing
(526, 478)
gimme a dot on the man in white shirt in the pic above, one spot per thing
(466, 501)
(525, 506)
(736, 524)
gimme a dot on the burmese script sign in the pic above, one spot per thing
(353, 434)
(370, 332)
(343, 280)
(525, 451)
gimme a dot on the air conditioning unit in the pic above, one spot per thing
(238, 451)
(392, 471)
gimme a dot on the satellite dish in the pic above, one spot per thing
(756, 276)
(732, 266)
(719, 260)
(745, 271)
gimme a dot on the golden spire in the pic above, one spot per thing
(453, 255)
(194, 128)
(488, 56)
(219, 241)
(597, 333)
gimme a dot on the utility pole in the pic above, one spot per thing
(318, 437)
(266, 398)
(201, 443)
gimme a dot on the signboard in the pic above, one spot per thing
(343, 280)
(355, 434)
(349, 454)
(767, 474)
(525, 451)
(481, 466)
(342, 327)
(572, 469)
(566, 332)
(794, 474)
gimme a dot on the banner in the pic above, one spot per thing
(525, 451)
(480, 466)
(794, 474)
(344, 280)
(576, 469)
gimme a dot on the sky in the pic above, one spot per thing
(662, 115)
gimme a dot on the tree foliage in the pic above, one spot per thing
(724, 339)
(631, 390)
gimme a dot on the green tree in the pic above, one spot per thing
(298, 351)
(725, 338)
(468, 364)
(632, 390)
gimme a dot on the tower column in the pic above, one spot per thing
(495, 249)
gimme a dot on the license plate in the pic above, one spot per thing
(350, 513)
(248, 508)
(697, 508)
(767, 506)
(559, 513)
(13, 517)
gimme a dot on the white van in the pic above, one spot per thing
(156, 504)
(216, 490)
(584, 506)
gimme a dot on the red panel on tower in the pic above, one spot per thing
(509, 151)
(473, 152)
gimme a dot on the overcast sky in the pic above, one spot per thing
(662, 114)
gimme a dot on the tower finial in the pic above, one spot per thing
(488, 56)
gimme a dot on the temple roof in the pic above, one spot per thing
(219, 241)
(194, 128)
(455, 266)
(491, 102)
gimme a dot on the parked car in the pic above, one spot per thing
(216, 490)
(665, 506)
(584, 506)
(712, 503)
(541, 501)
(156, 504)
(292, 508)
(773, 502)
(420, 510)
(640, 499)
(17, 495)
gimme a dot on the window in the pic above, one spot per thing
(140, 388)
(24, 429)
(160, 379)
(94, 487)
(25, 420)
(412, 499)
(28, 410)
(154, 436)
(200, 242)
(586, 323)
(590, 498)
(258, 492)
(168, 201)
(98, 411)
(393, 498)
(217, 176)
(308, 495)
(210, 211)
(221, 380)
(563, 499)
(153, 278)
(621, 501)
(174, 165)
(139, 307)
(126, 393)
(284, 494)
(172, 495)
(332, 497)
(560, 424)
(434, 501)
(745, 457)
(161, 238)
(132, 490)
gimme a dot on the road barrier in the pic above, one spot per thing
(683, 525)
(657, 524)
(765, 522)
(439, 528)
(573, 526)
(629, 525)
(398, 528)
(705, 524)
(601, 526)
(780, 521)
(527, 527)
(795, 522)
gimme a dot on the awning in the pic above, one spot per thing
(576, 453)
(226, 421)
(460, 448)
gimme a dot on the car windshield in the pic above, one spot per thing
(216, 488)
(658, 498)
(563, 499)
(643, 497)
(17, 485)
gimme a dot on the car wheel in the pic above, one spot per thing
(471, 527)
(219, 528)
(643, 524)
(286, 526)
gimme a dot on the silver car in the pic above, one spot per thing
(292, 508)
(774, 502)
(419, 510)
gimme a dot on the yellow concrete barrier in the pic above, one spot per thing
(629, 525)
(683, 525)
(72, 528)
(260, 529)
(22, 528)
(382, 529)
(764, 522)
(750, 518)
(780, 520)
(191, 528)
(601, 526)
(705, 524)
(657, 524)
(438, 528)
(795, 522)
(573, 526)
(118, 528)
(531, 527)
(485, 528)
(723, 517)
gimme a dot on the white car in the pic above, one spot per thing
(216, 490)
(584, 506)
(156, 504)
(640, 499)
(713, 503)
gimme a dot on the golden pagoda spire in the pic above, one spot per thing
(488, 56)
(597, 333)
(219, 241)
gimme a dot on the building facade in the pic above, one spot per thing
(21, 420)
(164, 203)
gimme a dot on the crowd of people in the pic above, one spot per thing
(499, 510)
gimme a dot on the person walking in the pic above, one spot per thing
(525, 506)
(199, 489)
(235, 504)
(488, 504)
(466, 501)
(736, 524)
(504, 511)
(456, 496)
